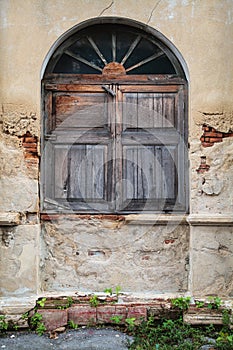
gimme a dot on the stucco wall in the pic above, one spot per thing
(201, 31)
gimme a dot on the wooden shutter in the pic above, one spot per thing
(115, 147)
(153, 148)
(78, 148)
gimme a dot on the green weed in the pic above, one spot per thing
(214, 303)
(116, 319)
(108, 291)
(3, 324)
(181, 303)
(37, 324)
(199, 304)
(72, 325)
(94, 302)
(41, 302)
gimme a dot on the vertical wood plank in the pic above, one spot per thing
(77, 172)
(168, 110)
(158, 110)
(169, 172)
(130, 108)
(61, 172)
(145, 110)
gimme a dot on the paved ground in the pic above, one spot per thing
(80, 339)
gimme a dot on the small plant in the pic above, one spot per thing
(199, 304)
(40, 329)
(72, 325)
(130, 323)
(41, 302)
(35, 319)
(3, 323)
(94, 302)
(36, 323)
(226, 319)
(225, 341)
(69, 302)
(181, 303)
(108, 291)
(116, 319)
(214, 303)
(25, 316)
(118, 290)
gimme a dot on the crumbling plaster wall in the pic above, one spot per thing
(101, 252)
(201, 30)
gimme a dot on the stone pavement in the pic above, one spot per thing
(80, 339)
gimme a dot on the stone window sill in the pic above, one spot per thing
(9, 219)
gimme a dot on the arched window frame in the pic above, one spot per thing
(120, 85)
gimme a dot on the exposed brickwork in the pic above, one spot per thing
(82, 314)
(52, 217)
(54, 318)
(203, 167)
(211, 136)
(106, 312)
(30, 145)
(139, 312)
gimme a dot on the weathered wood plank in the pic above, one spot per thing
(61, 171)
(169, 116)
(80, 110)
(150, 88)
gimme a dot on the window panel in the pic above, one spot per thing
(149, 110)
(87, 175)
(80, 110)
(149, 172)
(90, 50)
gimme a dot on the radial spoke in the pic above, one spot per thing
(146, 60)
(114, 47)
(132, 47)
(83, 60)
(95, 47)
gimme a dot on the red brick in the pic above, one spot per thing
(30, 144)
(139, 312)
(106, 312)
(30, 155)
(30, 139)
(207, 144)
(53, 318)
(215, 139)
(213, 134)
(230, 134)
(169, 241)
(82, 314)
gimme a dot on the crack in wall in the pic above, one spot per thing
(153, 10)
(106, 8)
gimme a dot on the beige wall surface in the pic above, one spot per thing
(202, 32)
(200, 29)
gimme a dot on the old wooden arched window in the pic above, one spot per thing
(115, 123)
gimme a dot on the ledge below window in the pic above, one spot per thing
(210, 220)
(9, 219)
(156, 219)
